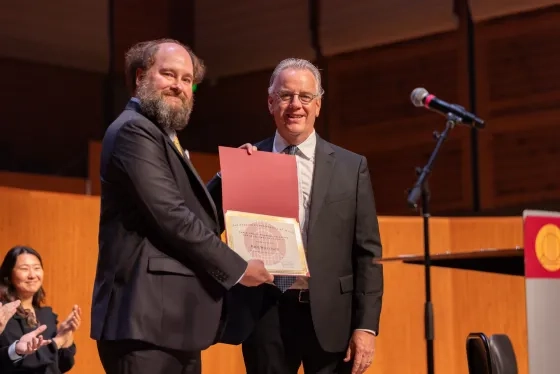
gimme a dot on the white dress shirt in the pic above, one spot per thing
(305, 157)
(12, 352)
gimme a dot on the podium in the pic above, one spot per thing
(537, 264)
(498, 261)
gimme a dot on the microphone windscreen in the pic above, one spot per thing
(418, 95)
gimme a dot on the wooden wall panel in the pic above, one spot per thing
(50, 111)
(63, 228)
(248, 36)
(362, 24)
(229, 112)
(94, 165)
(206, 164)
(367, 98)
(48, 116)
(485, 302)
(526, 163)
(136, 21)
(63, 33)
(371, 113)
(44, 183)
(402, 318)
(393, 173)
(483, 9)
(518, 95)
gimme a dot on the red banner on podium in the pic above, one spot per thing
(541, 236)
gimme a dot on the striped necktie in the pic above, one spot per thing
(290, 150)
(284, 282)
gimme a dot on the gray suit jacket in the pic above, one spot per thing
(345, 286)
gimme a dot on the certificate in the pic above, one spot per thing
(276, 241)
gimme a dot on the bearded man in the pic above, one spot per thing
(162, 270)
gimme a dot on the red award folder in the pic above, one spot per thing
(541, 236)
(261, 183)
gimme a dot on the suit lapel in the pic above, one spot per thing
(265, 145)
(189, 166)
(324, 166)
(135, 106)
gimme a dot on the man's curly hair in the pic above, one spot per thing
(142, 56)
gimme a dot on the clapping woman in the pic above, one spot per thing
(21, 278)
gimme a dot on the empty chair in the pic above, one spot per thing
(502, 355)
(494, 355)
(478, 354)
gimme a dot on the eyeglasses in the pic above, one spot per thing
(304, 97)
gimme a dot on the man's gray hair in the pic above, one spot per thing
(296, 64)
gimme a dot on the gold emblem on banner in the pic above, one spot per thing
(547, 247)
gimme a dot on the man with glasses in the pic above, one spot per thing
(329, 321)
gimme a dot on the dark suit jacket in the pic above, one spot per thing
(162, 269)
(5, 362)
(343, 238)
(46, 360)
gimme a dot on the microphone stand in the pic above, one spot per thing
(421, 191)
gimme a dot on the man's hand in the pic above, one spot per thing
(361, 348)
(249, 147)
(256, 274)
(6, 312)
(30, 342)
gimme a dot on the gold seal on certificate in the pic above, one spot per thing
(276, 241)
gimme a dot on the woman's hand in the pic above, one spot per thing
(31, 342)
(6, 312)
(65, 332)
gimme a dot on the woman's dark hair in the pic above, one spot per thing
(8, 292)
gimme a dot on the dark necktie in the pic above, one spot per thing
(290, 150)
(283, 282)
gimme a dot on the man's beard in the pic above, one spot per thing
(153, 105)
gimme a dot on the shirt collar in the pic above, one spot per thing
(307, 147)
(172, 134)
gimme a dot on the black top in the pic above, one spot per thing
(48, 359)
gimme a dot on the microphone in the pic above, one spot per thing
(421, 97)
